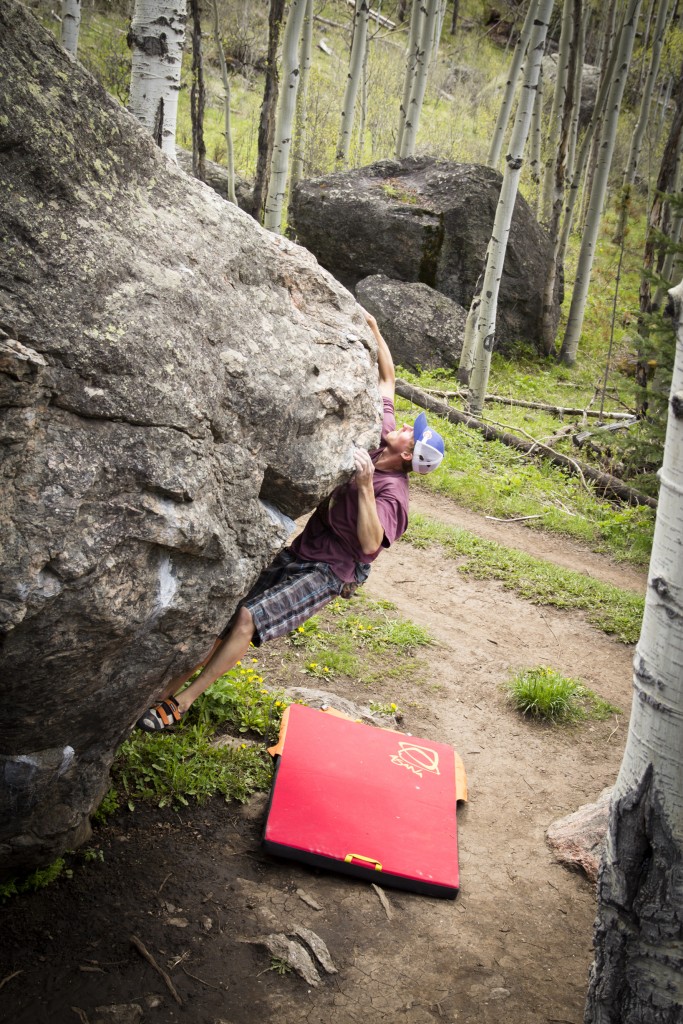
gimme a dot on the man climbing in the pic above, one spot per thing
(329, 558)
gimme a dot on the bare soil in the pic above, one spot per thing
(515, 945)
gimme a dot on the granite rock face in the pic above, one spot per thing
(424, 329)
(423, 220)
(174, 383)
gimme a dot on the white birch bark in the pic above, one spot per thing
(558, 184)
(156, 37)
(586, 145)
(363, 121)
(417, 15)
(495, 256)
(577, 309)
(493, 159)
(469, 341)
(646, 100)
(417, 94)
(279, 167)
(559, 101)
(536, 138)
(226, 106)
(667, 89)
(637, 975)
(577, 87)
(71, 24)
(305, 60)
(353, 81)
(438, 27)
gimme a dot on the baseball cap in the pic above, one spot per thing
(429, 447)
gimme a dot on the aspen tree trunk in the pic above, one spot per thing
(417, 93)
(495, 256)
(536, 137)
(438, 28)
(266, 128)
(362, 124)
(493, 159)
(417, 15)
(646, 101)
(454, 17)
(197, 96)
(557, 195)
(286, 107)
(666, 182)
(226, 106)
(645, 43)
(305, 59)
(577, 86)
(353, 81)
(71, 24)
(586, 145)
(563, 86)
(637, 974)
(577, 309)
(469, 340)
(156, 37)
(606, 51)
(666, 99)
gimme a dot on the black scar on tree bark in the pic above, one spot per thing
(638, 915)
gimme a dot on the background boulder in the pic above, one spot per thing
(424, 220)
(172, 379)
(422, 327)
(217, 177)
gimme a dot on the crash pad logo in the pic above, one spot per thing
(416, 759)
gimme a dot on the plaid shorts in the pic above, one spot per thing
(286, 594)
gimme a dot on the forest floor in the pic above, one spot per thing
(514, 946)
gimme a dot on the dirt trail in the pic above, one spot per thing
(513, 947)
(561, 550)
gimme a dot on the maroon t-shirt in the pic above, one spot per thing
(330, 535)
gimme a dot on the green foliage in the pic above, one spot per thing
(391, 710)
(109, 806)
(38, 879)
(240, 699)
(337, 641)
(612, 610)
(543, 693)
(498, 480)
(91, 854)
(280, 966)
(171, 769)
(190, 761)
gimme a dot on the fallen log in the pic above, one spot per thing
(605, 482)
(560, 410)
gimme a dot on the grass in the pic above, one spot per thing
(614, 611)
(190, 763)
(492, 478)
(544, 694)
(343, 640)
(34, 881)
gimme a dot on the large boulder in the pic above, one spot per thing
(590, 82)
(424, 329)
(174, 382)
(424, 220)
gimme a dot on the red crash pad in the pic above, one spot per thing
(370, 802)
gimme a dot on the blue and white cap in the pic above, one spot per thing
(429, 447)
